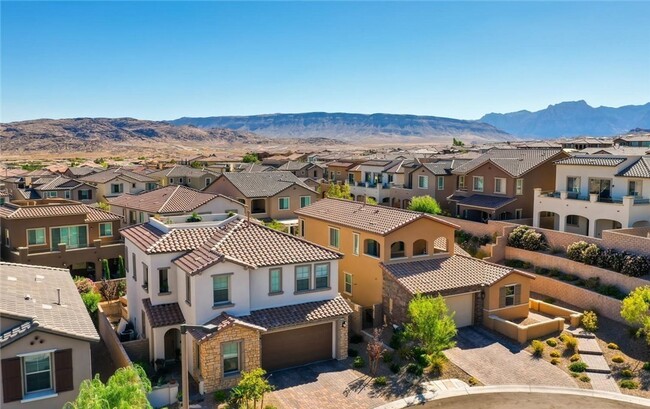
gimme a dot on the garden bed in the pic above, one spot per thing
(556, 352)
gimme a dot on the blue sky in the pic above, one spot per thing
(163, 60)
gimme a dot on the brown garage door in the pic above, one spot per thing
(296, 347)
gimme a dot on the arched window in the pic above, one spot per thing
(397, 250)
(420, 247)
(371, 248)
(440, 245)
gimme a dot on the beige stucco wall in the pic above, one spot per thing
(491, 306)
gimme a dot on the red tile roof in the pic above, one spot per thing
(165, 200)
(162, 315)
(289, 315)
(93, 214)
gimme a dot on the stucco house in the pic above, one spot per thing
(304, 169)
(45, 337)
(117, 181)
(267, 292)
(181, 175)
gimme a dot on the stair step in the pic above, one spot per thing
(589, 346)
(596, 363)
(580, 333)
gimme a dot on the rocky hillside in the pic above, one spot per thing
(351, 127)
(572, 119)
(92, 134)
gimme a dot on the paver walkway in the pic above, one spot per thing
(592, 355)
(495, 360)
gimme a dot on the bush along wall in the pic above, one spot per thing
(523, 237)
(470, 243)
(632, 265)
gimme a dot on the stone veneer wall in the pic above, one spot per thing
(211, 361)
(341, 338)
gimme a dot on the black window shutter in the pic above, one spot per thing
(63, 370)
(78, 194)
(12, 387)
(90, 194)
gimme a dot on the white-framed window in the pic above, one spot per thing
(7, 239)
(303, 278)
(231, 358)
(66, 194)
(634, 187)
(305, 201)
(188, 289)
(73, 236)
(423, 182)
(37, 370)
(52, 194)
(334, 237)
(356, 240)
(500, 185)
(181, 180)
(163, 280)
(348, 284)
(145, 277)
(510, 295)
(461, 182)
(322, 275)
(221, 289)
(36, 237)
(208, 181)
(171, 181)
(105, 229)
(519, 213)
(117, 188)
(573, 184)
(275, 280)
(477, 183)
(519, 186)
(283, 203)
(441, 183)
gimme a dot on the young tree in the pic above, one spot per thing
(250, 390)
(431, 323)
(126, 388)
(339, 191)
(251, 158)
(425, 204)
(370, 201)
(375, 350)
(636, 310)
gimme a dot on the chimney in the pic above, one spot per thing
(58, 296)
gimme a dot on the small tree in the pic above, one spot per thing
(104, 206)
(120, 266)
(425, 204)
(590, 321)
(251, 158)
(375, 350)
(196, 165)
(371, 201)
(339, 191)
(431, 323)
(194, 217)
(636, 310)
(110, 290)
(106, 268)
(250, 390)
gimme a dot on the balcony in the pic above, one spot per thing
(594, 197)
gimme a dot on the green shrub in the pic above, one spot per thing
(549, 300)
(570, 342)
(358, 362)
(526, 238)
(472, 381)
(415, 369)
(555, 361)
(356, 339)
(574, 374)
(394, 367)
(387, 357)
(83, 284)
(574, 251)
(557, 250)
(626, 373)
(396, 340)
(578, 366)
(220, 396)
(592, 283)
(380, 381)
(591, 254)
(589, 321)
(91, 300)
(646, 366)
(352, 352)
(552, 342)
(555, 354)
(574, 358)
(618, 359)
(437, 363)
(584, 378)
(612, 345)
(628, 384)
(635, 266)
(538, 347)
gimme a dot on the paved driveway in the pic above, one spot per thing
(495, 360)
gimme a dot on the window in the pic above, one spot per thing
(275, 281)
(73, 236)
(322, 273)
(634, 188)
(348, 284)
(105, 229)
(510, 295)
(573, 220)
(423, 182)
(302, 228)
(7, 240)
(188, 289)
(397, 250)
(305, 201)
(66, 194)
(478, 183)
(355, 244)
(221, 289)
(150, 186)
(38, 372)
(230, 358)
(461, 182)
(283, 203)
(181, 180)
(500, 185)
(145, 277)
(371, 248)
(51, 194)
(163, 280)
(208, 181)
(334, 237)
(518, 213)
(141, 217)
(171, 181)
(420, 247)
(519, 187)
(35, 237)
(135, 276)
(117, 188)
(573, 184)
(303, 274)
(133, 185)
(441, 183)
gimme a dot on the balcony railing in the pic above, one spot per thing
(594, 197)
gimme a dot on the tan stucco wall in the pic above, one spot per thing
(491, 304)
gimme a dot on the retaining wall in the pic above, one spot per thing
(137, 350)
(109, 336)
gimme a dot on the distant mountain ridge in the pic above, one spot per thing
(351, 127)
(572, 119)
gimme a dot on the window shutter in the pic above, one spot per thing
(78, 194)
(502, 297)
(12, 387)
(90, 194)
(518, 294)
(63, 370)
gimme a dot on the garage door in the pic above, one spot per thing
(463, 305)
(296, 347)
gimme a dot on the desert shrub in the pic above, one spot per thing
(514, 238)
(437, 363)
(589, 321)
(352, 352)
(578, 366)
(574, 358)
(628, 384)
(380, 381)
(612, 345)
(618, 359)
(584, 378)
(356, 339)
(574, 374)
(415, 369)
(592, 283)
(570, 342)
(538, 347)
(646, 366)
(394, 367)
(555, 361)
(627, 373)
(552, 342)
(555, 354)
(387, 357)
(591, 254)
(220, 396)
(472, 381)
(514, 263)
(557, 250)
(526, 238)
(358, 362)
(575, 250)
(91, 300)
(635, 266)
(396, 340)
(83, 284)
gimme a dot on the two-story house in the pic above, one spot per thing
(117, 181)
(181, 175)
(304, 169)
(63, 187)
(499, 184)
(368, 235)
(45, 337)
(170, 201)
(266, 291)
(61, 233)
(593, 193)
(338, 172)
(372, 180)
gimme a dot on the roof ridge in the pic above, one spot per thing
(168, 199)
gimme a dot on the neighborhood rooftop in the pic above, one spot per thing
(593, 160)
(28, 209)
(263, 184)
(639, 169)
(169, 199)
(110, 174)
(516, 162)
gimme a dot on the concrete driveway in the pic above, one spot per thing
(495, 360)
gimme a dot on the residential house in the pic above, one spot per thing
(170, 201)
(81, 171)
(338, 172)
(266, 291)
(371, 180)
(181, 175)
(61, 233)
(268, 195)
(586, 142)
(368, 235)
(45, 337)
(636, 139)
(117, 181)
(499, 184)
(304, 169)
(593, 193)
(63, 187)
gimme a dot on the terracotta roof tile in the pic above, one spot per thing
(263, 184)
(222, 321)
(179, 171)
(162, 315)
(592, 160)
(639, 169)
(110, 174)
(515, 162)
(289, 315)
(165, 200)
(93, 214)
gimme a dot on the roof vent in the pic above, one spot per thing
(10, 278)
(46, 307)
(28, 297)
